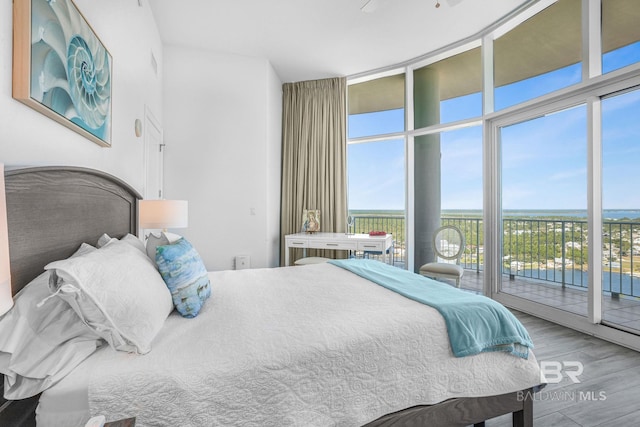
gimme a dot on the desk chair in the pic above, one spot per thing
(448, 243)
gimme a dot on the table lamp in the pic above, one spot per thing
(6, 300)
(162, 214)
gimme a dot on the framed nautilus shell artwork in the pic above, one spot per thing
(61, 68)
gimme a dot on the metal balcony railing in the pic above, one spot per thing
(550, 250)
(393, 224)
(557, 251)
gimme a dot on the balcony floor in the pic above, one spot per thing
(621, 311)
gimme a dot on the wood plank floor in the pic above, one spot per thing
(607, 394)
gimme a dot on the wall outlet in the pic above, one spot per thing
(243, 262)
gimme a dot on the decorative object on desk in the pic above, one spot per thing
(350, 224)
(162, 214)
(6, 301)
(377, 233)
(61, 68)
(311, 220)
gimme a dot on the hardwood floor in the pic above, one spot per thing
(607, 394)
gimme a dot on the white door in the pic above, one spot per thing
(154, 157)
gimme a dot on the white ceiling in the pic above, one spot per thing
(314, 39)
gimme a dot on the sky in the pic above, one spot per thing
(544, 160)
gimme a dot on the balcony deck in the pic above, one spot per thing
(622, 311)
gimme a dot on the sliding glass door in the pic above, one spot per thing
(621, 210)
(544, 237)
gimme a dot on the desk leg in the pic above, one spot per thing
(286, 255)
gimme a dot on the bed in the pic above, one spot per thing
(313, 345)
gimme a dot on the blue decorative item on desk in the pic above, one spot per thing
(185, 275)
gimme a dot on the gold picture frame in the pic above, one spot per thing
(61, 68)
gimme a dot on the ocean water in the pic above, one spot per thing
(611, 214)
(608, 214)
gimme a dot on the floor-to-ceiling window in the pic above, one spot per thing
(461, 196)
(376, 160)
(543, 162)
(558, 241)
(620, 34)
(516, 137)
(447, 163)
(539, 56)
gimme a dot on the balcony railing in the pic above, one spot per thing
(550, 250)
(393, 224)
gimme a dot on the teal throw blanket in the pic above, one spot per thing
(475, 323)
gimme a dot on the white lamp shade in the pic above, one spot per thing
(6, 299)
(163, 214)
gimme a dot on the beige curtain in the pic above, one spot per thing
(314, 149)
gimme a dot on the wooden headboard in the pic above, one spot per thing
(52, 210)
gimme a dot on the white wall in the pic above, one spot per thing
(274, 168)
(222, 133)
(221, 116)
(29, 138)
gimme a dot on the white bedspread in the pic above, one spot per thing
(298, 346)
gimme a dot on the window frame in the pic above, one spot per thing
(590, 91)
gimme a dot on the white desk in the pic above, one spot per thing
(340, 241)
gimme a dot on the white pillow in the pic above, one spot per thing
(117, 292)
(103, 240)
(41, 343)
(135, 242)
(128, 238)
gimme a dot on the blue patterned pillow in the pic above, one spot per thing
(185, 275)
